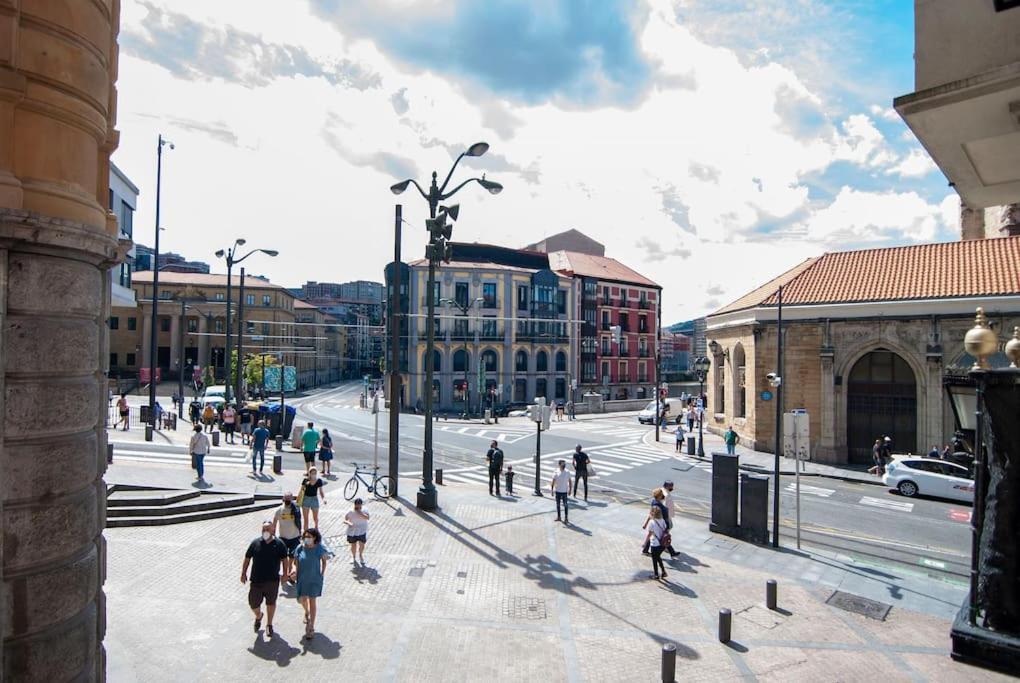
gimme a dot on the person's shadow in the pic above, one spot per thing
(321, 645)
(363, 574)
(274, 649)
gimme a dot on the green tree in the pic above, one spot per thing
(253, 365)
(208, 376)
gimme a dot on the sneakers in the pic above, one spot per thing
(258, 623)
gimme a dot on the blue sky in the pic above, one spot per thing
(709, 144)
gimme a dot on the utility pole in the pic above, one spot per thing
(658, 361)
(395, 310)
(779, 417)
(153, 331)
(240, 340)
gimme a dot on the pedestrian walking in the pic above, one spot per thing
(209, 416)
(311, 491)
(195, 412)
(560, 486)
(510, 480)
(670, 504)
(310, 560)
(878, 468)
(123, 411)
(229, 422)
(690, 419)
(357, 531)
(287, 527)
(495, 459)
(581, 462)
(247, 418)
(657, 537)
(731, 439)
(658, 503)
(157, 421)
(326, 452)
(259, 439)
(309, 445)
(679, 436)
(199, 448)
(559, 411)
(264, 554)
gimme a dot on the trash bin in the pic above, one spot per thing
(216, 438)
(754, 515)
(690, 445)
(143, 414)
(488, 416)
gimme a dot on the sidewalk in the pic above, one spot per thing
(764, 463)
(490, 589)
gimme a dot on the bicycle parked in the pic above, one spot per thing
(382, 486)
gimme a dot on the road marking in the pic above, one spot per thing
(810, 490)
(934, 564)
(501, 437)
(897, 505)
(959, 515)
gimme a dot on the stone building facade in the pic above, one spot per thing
(58, 244)
(868, 338)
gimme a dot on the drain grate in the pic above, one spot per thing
(416, 571)
(524, 608)
(461, 575)
(858, 605)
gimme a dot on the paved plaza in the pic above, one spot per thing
(495, 589)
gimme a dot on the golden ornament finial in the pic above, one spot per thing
(980, 341)
(1013, 349)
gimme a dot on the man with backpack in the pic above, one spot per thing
(495, 459)
(287, 527)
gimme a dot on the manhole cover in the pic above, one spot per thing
(761, 616)
(524, 608)
(858, 605)
(416, 571)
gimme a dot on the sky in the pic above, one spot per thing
(709, 144)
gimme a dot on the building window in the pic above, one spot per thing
(192, 325)
(561, 301)
(521, 361)
(113, 360)
(624, 323)
(522, 297)
(489, 294)
(561, 388)
(623, 376)
(460, 327)
(114, 323)
(132, 324)
(491, 361)
(130, 360)
(489, 327)
(642, 324)
(437, 326)
(561, 361)
(542, 362)
(249, 299)
(541, 387)
(164, 324)
(460, 361)
(265, 328)
(267, 300)
(606, 301)
(219, 296)
(623, 297)
(219, 325)
(460, 294)
(605, 320)
(605, 373)
(605, 346)
(249, 327)
(165, 294)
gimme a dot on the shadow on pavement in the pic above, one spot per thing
(322, 645)
(274, 649)
(364, 574)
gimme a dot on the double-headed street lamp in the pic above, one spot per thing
(231, 259)
(438, 249)
(465, 309)
(701, 366)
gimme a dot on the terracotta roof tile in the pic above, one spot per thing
(947, 270)
(603, 267)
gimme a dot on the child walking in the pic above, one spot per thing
(510, 479)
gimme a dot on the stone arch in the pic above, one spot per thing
(490, 360)
(542, 361)
(738, 366)
(461, 361)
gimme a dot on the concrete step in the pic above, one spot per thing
(148, 497)
(161, 520)
(200, 502)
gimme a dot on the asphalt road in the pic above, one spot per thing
(875, 526)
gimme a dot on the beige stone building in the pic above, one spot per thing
(321, 343)
(868, 338)
(58, 243)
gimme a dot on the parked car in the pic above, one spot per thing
(215, 394)
(914, 475)
(647, 415)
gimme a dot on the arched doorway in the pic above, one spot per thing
(881, 401)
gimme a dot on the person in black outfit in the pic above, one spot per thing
(495, 459)
(265, 554)
(510, 479)
(581, 461)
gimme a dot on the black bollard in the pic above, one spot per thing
(148, 432)
(439, 477)
(770, 594)
(109, 454)
(725, 623)
(669, 663)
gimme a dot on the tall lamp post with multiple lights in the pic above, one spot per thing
(153, 340)
(465, 309)
(231, 258)
(701, 366)
(438, 249)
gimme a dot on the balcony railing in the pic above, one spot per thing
(624, 353)
(643, 304)
(623, 379)
(643, 353)
(605, 326)
(642, 379)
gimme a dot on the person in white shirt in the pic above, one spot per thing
(199, 448)
(657, 532)
(560, 486)
(357, 531)
(667, 500)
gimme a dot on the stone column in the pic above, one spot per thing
(972, 223)
(57, 244)
(203, 342)
(826, 450)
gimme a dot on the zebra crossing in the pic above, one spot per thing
(606, 462)
(219, 457)
(600, 428)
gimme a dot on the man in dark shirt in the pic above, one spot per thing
(495, 459)
(581, 461)
(265, 555)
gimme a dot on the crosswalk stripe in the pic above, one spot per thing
(897, 505)
(810, 490)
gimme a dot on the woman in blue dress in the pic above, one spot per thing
(311, 568)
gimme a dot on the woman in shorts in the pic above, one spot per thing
(357, 530)
(310, 558)
(312, 486)
(326, 452)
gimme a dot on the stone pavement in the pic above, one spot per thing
(495, 589)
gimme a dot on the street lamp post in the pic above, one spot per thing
(153, 341)
(701, 366)
(231, 259)
(437, 249)
(464, 309)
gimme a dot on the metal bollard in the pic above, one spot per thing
(148, 432)
(669, 663)
(109, 454)
(439, 477)
(770, 593)
(725, 624)
(215, 438)
(279, 443)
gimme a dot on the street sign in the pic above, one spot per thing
(290, 378)
(272, 378)
(796, 435)
(766, 395)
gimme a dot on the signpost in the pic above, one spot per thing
(375, 411)
(796, 440)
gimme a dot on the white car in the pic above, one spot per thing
(913, 475)
(215, 394)
(647, 416)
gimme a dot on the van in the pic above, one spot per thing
(647, 415)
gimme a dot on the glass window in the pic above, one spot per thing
(127, 219)
(265, 328)
(192, 324)
(460, 361)
(605, 320)
(489, 294)
(522, 297)
(267, 299)
(165, 294)
(489, 327)
(132, 324)
(540, 387)
(114, 322)
(130, 360)
(491, 361)
(461, 294)
(113, 360)
(561, 301)
(521, 361)
(561, 362)
(164, 324)
(605, 296)
(249, 299)
(219, 325)
(542, 363)
(624, 323)
(561, 388)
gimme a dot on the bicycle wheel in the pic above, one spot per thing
(351, 489)
(384, 487)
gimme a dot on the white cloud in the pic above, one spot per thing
(916, 164)
(887, 113)
(857, 216)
